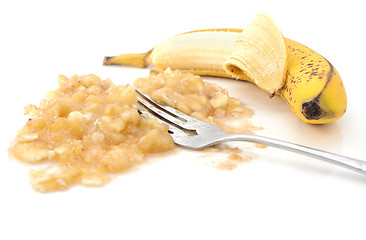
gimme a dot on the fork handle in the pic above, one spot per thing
(343, 161)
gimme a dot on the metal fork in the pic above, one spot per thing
(194, 134)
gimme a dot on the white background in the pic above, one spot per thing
(277, 195)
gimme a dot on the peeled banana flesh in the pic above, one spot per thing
(308, 82)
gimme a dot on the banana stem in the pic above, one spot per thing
(136, 60)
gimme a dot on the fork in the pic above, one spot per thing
(191, 133)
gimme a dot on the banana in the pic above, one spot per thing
(310, 84)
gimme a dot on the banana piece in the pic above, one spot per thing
(312, 89)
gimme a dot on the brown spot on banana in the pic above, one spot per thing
(311, 110)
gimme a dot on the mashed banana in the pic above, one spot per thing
(89, 128)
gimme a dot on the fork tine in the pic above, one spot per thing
(172, 129)
(167, 109)
(162, 115)
(174, 116)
